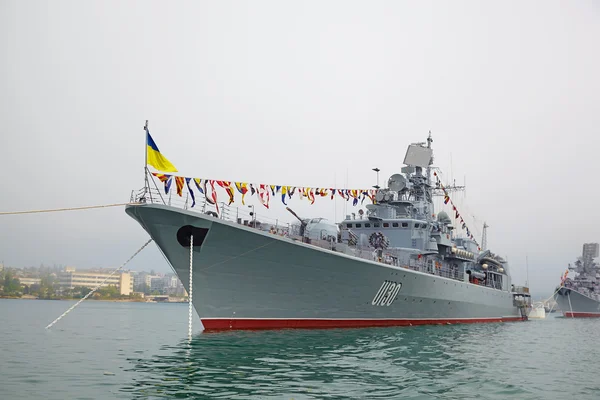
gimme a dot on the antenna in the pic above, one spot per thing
(346, 187)
(377, 170)
(484, 237)
(437, 191)
(527, 269)
(451, 172)
(334, 196)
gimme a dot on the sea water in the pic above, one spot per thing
(105, 350)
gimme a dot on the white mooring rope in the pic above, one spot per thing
(99, 286)
(552, 296)
(64, 209)
(191, 285)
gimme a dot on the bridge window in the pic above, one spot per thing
(405, 224)
(358, 225)
(367, 225)
(386, 225)
(417, 225)
(376, 225)
(394, 224)
(349, 225)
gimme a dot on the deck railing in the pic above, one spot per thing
(241, 215)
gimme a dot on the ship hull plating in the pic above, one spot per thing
(247, 279)
(579, 306)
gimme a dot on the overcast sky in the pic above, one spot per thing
(312, 93)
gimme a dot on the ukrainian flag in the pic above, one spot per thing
(156, 159)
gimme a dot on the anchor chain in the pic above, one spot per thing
(191, 286)
(570, 306)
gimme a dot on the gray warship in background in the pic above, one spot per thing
(397, 264)
(580, 297)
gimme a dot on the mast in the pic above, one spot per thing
(429, 194)
(429, 141)
(146, 185)
(484, 237)
(527, 270)
(346, 203)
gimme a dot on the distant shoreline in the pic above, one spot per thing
(106, 300)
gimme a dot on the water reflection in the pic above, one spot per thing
(418, 362)
(88, 356)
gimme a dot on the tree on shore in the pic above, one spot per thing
(11, 286)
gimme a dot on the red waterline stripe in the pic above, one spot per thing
(225, 324)
(582, 315)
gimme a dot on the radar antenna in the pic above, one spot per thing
(397, 182)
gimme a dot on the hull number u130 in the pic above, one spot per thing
(387, 293)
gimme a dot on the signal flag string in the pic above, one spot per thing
(100, 285)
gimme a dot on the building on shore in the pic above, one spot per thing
(70, 278)
(165, 284)
(29, 281)
(144, 281)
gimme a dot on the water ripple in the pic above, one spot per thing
(450, 362)
(144, 357)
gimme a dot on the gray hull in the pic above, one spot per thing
(576, 305)
(247, 279)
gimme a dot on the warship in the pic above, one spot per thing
(579, 297)
(397, 264)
